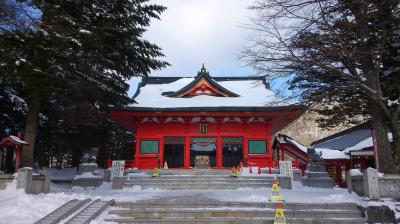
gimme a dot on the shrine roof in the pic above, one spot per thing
(326, 153)
(204, 92)
(12, 140)
(357, 138)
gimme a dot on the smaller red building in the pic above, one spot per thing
(337, 162)
(349, 149)
(227, 119)
(10, 153)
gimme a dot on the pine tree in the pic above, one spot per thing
(80, 50)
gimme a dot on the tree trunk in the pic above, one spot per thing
(385, 156)
(394, 125)
(31, 125)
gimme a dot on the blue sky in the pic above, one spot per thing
(192, 32)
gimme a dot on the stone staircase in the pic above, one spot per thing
(198, 179)
(190, 210)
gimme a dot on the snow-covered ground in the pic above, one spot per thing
(18, 207)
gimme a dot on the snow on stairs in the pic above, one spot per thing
(83, 214)
(231, 212)
(90, 212)
(198, 179)
(63, 211)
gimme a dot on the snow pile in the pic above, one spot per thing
(21, 208)
(251, 93)
(355, 172)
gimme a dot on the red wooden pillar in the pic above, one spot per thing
(186, 153)
(186, 147)
(246, 158)
(137, 149)
(282, 152)
(219, 143)
(161, 151)
(17, 158)
(219, 152)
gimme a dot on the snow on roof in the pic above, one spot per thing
(366, 143)
(346, 140)
(332, 154)
(326, 153)
(352, 139)
(252, 93)
(18, 140)
(297, 144)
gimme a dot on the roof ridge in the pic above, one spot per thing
(203, 74)
(364, 125)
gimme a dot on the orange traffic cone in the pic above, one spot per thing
(155, 172)
(259, 170)
(275, 195)
(279, 216)
(234, 172)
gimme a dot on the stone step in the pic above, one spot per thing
(219, 185)
(199, 177)
(316, 174)
(200, 171)
(218, 204)
(155, 180)
(232, 212)
(188, 172)
(235, 220)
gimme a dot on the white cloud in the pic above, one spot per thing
(191, 32)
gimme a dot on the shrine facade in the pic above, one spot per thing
(223, 120)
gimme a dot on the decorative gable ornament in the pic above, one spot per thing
(232, 120)
(203, 84)
(256, 120)
(150, 120)
(203, 119)
(174, 120)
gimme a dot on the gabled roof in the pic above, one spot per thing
(353, 139)
(235, 94)
(326, 153)
(202, 76)
(12, 141)
(353, 134)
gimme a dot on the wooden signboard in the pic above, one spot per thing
(286, 168)
(117, 168)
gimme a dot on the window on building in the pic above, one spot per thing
(257, 146)
(149, 146)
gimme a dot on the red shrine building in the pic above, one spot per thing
(224, 119)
